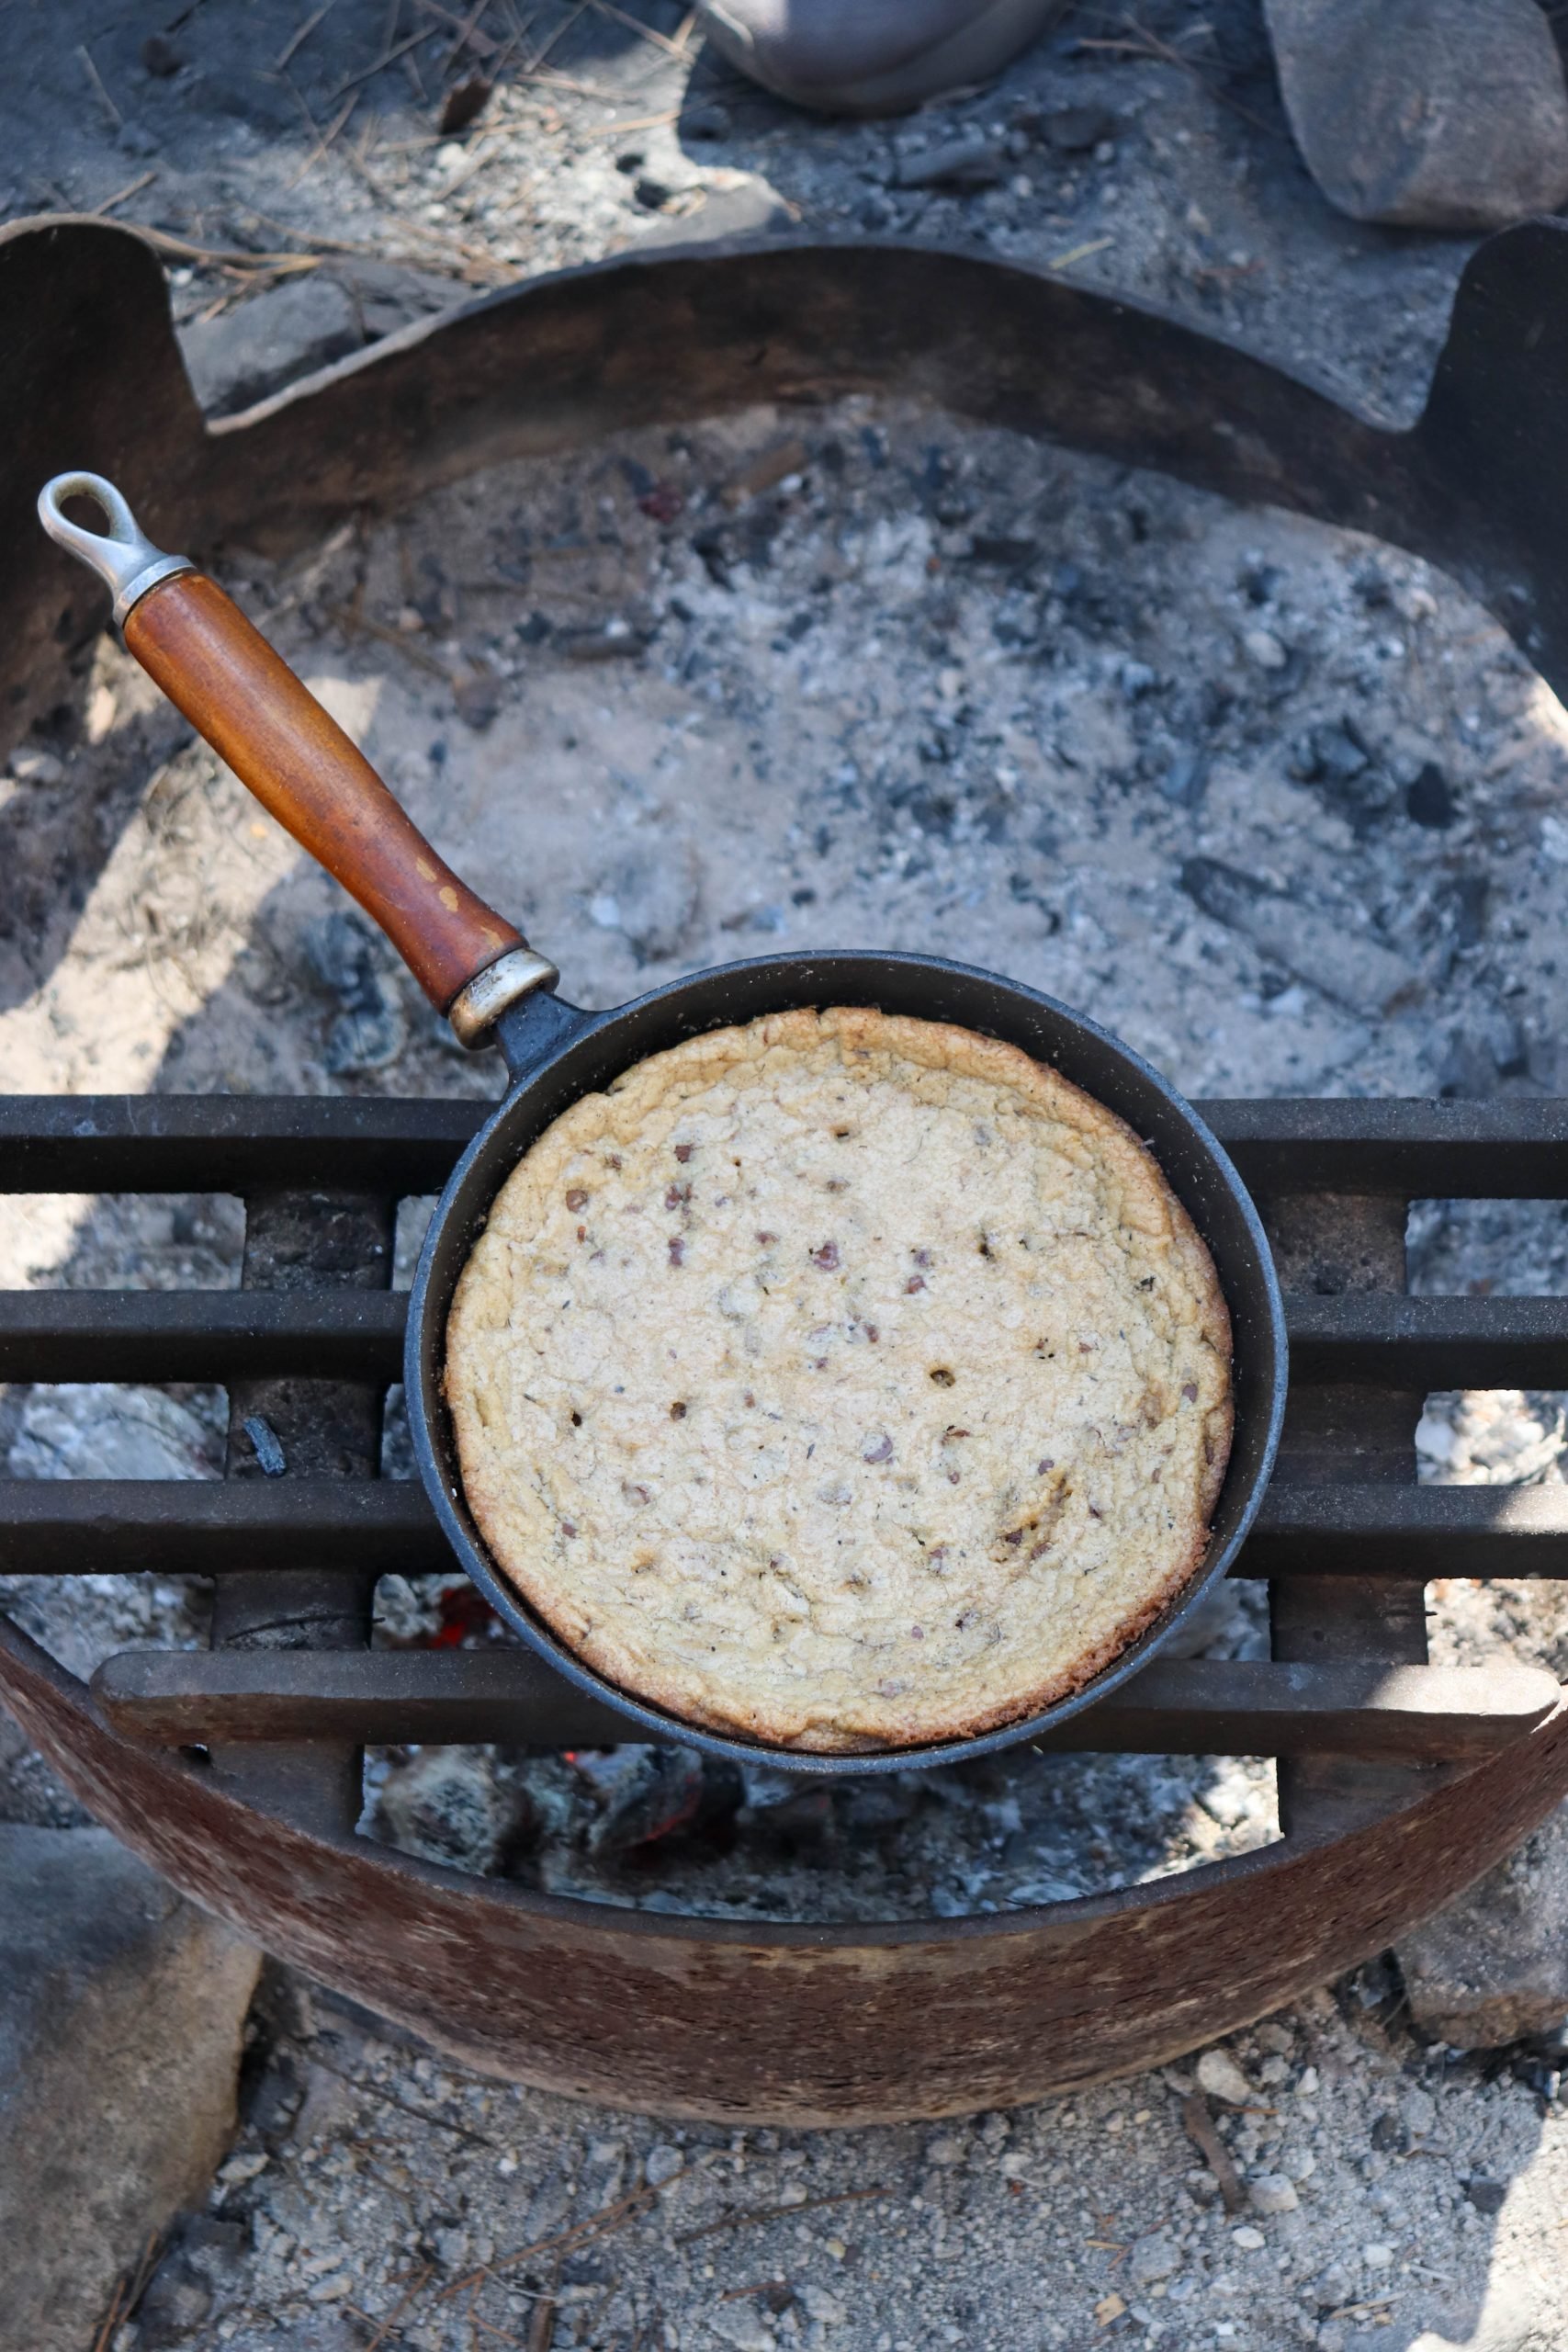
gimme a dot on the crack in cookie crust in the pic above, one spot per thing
(842, 1381)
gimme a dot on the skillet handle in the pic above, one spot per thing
(244, 698)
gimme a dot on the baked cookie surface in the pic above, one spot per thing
(841, 1381)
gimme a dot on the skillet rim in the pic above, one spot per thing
(1253, 1299)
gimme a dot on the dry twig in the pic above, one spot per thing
(131, 188)
(387, 57)
(1199, 2122)
(468, 35)
(128, 2293)
(220, 258)
(778, 2212)
(637, 122)
(96, 79)
(567, 2241)
(660, 40)
(323, 139)
(542, 2319)
(297, 39)
(384, 2327)
(1156, 51)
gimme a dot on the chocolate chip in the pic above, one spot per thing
(915, 1282)
(577, 1198)
(683, 1152)
(826, 1257)
(677, 1412)
(877, 1449)
(942, 1377)
(677, 1250)
(1190, 1392)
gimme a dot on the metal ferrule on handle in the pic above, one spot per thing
(238, 693)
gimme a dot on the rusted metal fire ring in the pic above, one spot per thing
(843, 2023)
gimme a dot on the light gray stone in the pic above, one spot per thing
(1434, 114)
(1494, 1966)
(121, 2012)
(1151, 2257)
(1273, 2192)
(1219, 2074)
(245, 352)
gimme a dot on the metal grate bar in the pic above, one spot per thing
(215, 1335)
(94, 1527)
(1408, 1150)
(222, 1143)
(1418, 1714)
(1411, 1150)
(1390, 1340)
(1386, 1341)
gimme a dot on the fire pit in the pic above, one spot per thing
(238, 1769)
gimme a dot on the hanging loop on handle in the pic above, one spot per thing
(123, 557)
(259, 717)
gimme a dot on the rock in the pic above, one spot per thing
(818, 2303)
(30, 764)
(94, 1430)
(749, 211)
(1429, 114)
(451, 1806)
(1249, 2239)
(122, 2010)
(663, 2162)
(1487, 2196)
(744, 2329)
(1345, 964)
(957, 163)
(1261, 646)
(705, 122)
(176, 2302)
(387, 296)
(1334, 2287)
(1078, 131)
(1429, 799)
(1219, 2074)
(1151, 2257)
(1494, 1966)
(1337, 761)
(239, 358)
(1272, 2192)
(1378, 2255)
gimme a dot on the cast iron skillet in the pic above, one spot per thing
(494, 988)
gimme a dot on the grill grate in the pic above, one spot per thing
(238, 1769)
(1324, 1534)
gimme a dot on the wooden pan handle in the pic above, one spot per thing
(199, 648)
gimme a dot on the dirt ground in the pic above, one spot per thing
(922, 686)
